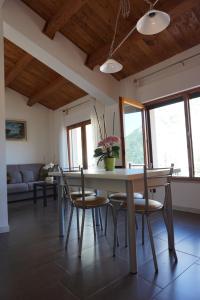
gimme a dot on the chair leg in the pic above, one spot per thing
(117, 238)
(106, 220)
(136, 223)
(78, 228)
(94, 225)
(142, 229)
(100, 219)
(115, 228)
(152, 244)
(169, 235)
(69, 226)
(81, 237)
(126, 229)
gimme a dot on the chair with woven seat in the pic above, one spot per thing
(75, 194)
(84, 203)
(146, 206)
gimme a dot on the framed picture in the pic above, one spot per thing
(16, 130)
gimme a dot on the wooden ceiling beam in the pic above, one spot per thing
(18, 68)
(48, 90)
(100, 55)
(56, 22)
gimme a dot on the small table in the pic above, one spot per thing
(44, 186)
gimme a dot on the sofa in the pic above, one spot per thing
(20, 181)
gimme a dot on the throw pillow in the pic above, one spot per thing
(28, 176)
(16, 177)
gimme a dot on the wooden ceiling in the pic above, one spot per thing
(33, 79)
(89, 24)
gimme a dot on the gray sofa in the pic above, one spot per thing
(20, 180)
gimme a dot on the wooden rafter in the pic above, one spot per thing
(101, 54)
(18, 68)
(48, 90)
(70, 8)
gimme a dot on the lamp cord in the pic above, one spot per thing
(112, 50)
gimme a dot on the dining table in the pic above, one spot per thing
(120, 180)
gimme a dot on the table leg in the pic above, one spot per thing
(44, 196)
(131, 228)
(34, 194)
(169, 214)
(61, 207)
(54, 192)
(97, 212)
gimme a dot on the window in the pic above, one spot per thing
(79, 140)
(133, 135)
(173, 130)
(195, 129)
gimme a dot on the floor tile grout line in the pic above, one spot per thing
(181, 274)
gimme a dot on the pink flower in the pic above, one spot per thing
(110, 140)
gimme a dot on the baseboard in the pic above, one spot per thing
(4, 229)
(187, 209)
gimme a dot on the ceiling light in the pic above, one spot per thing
(111, 66)
(154, 21)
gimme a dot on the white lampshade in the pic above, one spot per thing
(154, 21)
(111, 66)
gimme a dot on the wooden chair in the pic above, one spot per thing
(147, 206)
(84, 202)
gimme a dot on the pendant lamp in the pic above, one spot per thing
(111, 66)
(154, 21)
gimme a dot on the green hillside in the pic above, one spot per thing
(134, 147)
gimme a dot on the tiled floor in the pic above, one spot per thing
(34, 264)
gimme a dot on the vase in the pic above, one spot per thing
(109, 163)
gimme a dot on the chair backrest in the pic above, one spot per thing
(83, 185)
(64, 182)
(155, 180)
(72, 169)
(66, 185)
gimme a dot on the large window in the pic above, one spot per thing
(79, 140)
(195, 128)
(174, 135)
(133, 135)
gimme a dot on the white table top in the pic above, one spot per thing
(117, 174)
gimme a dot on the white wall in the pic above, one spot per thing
(169, 77)
(36, 148)
(4, 227)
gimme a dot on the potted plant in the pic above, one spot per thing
(108, 150)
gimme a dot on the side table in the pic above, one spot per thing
(44, 186)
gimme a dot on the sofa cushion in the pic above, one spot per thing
(30, 184)
(15, 177)
(35, 168)
(28, 176)
(17, 188)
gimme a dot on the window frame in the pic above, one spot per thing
(137, 104)
(82, 125)
(184, 96)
